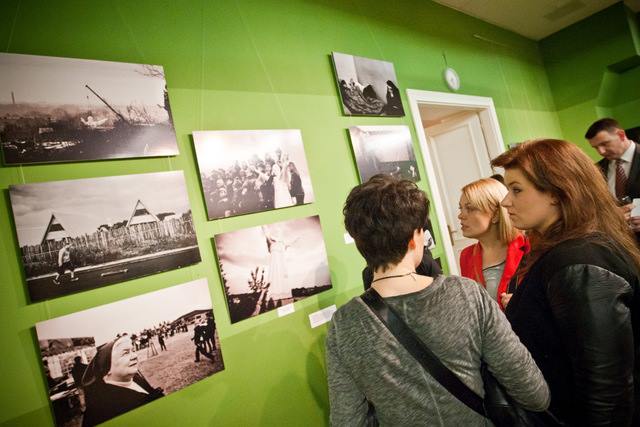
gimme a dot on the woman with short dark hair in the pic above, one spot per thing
(452, 316)
(577, 307)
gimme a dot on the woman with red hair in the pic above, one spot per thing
(577, 305)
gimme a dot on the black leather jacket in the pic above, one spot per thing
(577, 311)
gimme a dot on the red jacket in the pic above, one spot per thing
(471, 263)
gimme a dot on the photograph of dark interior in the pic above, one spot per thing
(86, 233)
(384, 149)
(246, 171)
(64, 110)
(105, 361)
(266, 267)
(368, 87)
(429, 236)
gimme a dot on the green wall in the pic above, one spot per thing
(594, 71)
(249, 64)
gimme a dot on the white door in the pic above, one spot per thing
(459, 155)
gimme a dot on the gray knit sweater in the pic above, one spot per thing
(460, 323)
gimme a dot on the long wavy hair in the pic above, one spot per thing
(587, 208)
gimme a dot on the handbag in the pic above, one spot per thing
(497, 405)
(371, 420)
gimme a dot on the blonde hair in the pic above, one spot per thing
(486, 194)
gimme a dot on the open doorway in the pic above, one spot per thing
(458, 135)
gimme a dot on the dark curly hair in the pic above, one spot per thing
(381, 215)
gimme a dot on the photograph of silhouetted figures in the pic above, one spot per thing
(63, 110)
(87, 233)
(123, 355)
(246, 171)
(384, 149)
(266, 267)
(367, 87)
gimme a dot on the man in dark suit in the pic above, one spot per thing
(620, 164)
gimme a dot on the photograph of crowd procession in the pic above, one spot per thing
(266, 267)
(384, 149)
(87, 233)
(367, 87)
(252, 171)
(62, 109)
(105, 361)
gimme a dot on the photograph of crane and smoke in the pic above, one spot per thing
(64, 110)
(87, 233)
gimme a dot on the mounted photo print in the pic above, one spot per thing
(66, 110)
(384, 149)
(266, 267)
(429, 236)
(87, 233)
(247, 171)
(108, 360)
(368, 87)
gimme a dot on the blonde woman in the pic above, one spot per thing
(494, 259)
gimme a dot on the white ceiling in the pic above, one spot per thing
(534, 19)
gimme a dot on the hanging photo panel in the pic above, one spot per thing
(105, 361)
(65, 110)
(384, 149)
(247, 171)
(367, 87)
(87, 233)
(269, 266)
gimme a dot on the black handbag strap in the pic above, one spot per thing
(429, 361)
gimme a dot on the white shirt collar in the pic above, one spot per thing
(627, 156)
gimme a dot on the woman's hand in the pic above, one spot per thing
(626, 211)
(505, 298)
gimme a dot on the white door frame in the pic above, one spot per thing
(485, 109)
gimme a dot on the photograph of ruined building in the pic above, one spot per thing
(63, 110)
(87, 233)
(266, 267)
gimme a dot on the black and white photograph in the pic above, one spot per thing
(105, 361)
(268, 266)
(247, 171)
(86, 233)
(367, 87)
(65, 110)
(429, 236)
(384, 149)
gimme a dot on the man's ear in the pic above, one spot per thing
(621, 134)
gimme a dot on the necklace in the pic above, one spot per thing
(394, 276)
